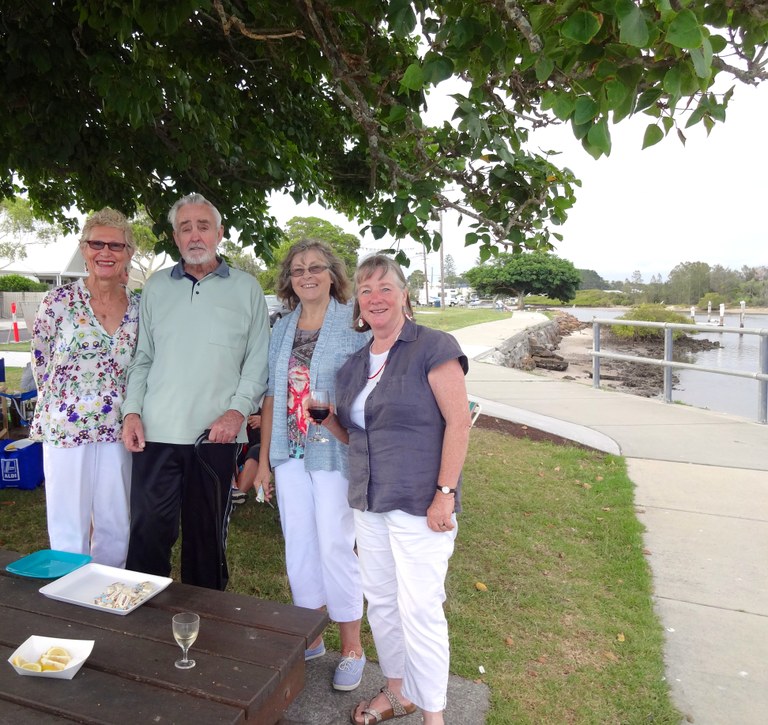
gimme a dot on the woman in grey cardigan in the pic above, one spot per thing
(307, 348)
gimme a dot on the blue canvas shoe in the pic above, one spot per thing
(315, 652)
(349, 672)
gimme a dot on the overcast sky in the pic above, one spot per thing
(646, 210)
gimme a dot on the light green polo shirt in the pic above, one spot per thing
(202, 350)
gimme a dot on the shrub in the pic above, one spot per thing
(712, 297)
(17, 283)
(542, 300)
(592, 298)
(648, 313)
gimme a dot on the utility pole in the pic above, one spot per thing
(442, 265)
(426, 278)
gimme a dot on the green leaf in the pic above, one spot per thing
(410, 222)
(437, 69)
(633, 29)
(653, 134)
(615, 93)
(586, 109)
(648, 98)
(702, 59)
(581, 27)
(542, 16)
(600, 137)
(378, 231)
(563, 106)
(544, 67)
(413, 78)
(580, 130)
(605, 70)
(396, 114)
(401, 17)
(672, 81)
(696, 116)
(605, 6)
(717, 43)
(684, 31)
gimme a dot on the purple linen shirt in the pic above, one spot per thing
(395, 461)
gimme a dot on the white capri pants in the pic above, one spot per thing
(319, 532)
(403, 564)
(89, 486)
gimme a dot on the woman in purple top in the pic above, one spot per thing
(402, 405)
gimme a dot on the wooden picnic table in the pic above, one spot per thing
(249, 654)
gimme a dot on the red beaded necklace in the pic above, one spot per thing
(376, 374)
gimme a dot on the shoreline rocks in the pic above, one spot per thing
(572, 340)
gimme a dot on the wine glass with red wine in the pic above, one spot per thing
(319, 409)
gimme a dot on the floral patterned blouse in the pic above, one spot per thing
(79, 368)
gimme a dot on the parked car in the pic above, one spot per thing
(277, 308)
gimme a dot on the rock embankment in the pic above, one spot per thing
(535, 346)
(544, 355)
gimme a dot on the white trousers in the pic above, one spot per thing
(403, 564)
(319, 532)
(88, 487)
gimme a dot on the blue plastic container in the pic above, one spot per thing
(21, 467)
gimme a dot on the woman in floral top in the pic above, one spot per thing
(84, 336)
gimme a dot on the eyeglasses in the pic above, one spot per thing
(314, 269)
(97, 245)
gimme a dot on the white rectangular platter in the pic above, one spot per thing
(84, 585)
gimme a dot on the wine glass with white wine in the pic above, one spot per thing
(186, 625)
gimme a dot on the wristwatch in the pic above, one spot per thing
(447, 490)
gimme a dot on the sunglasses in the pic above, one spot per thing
(97, 245)
(314, 269)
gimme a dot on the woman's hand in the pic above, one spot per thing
(440, 512)
(335, 427)
(263, 480)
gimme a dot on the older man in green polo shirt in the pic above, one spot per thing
(200, 365)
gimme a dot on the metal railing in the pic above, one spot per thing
(669, 364)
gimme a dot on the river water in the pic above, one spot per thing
(723, 393)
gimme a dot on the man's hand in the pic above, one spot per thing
(226, 427)
(133, 433)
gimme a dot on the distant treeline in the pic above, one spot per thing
(689, 283)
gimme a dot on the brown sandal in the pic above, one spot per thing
(371, 716)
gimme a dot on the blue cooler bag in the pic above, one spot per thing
(21, 463)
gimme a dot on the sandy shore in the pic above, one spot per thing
(575, 349)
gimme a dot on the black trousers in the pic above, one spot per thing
(170, 482)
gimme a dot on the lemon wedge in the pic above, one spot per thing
(51, 665)
(56, 651)
(18, 661)
(63, 659)
(32, 666)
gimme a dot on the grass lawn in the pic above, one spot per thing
(564, 626)
(14, 346)
(548, 590)
(453, 318)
